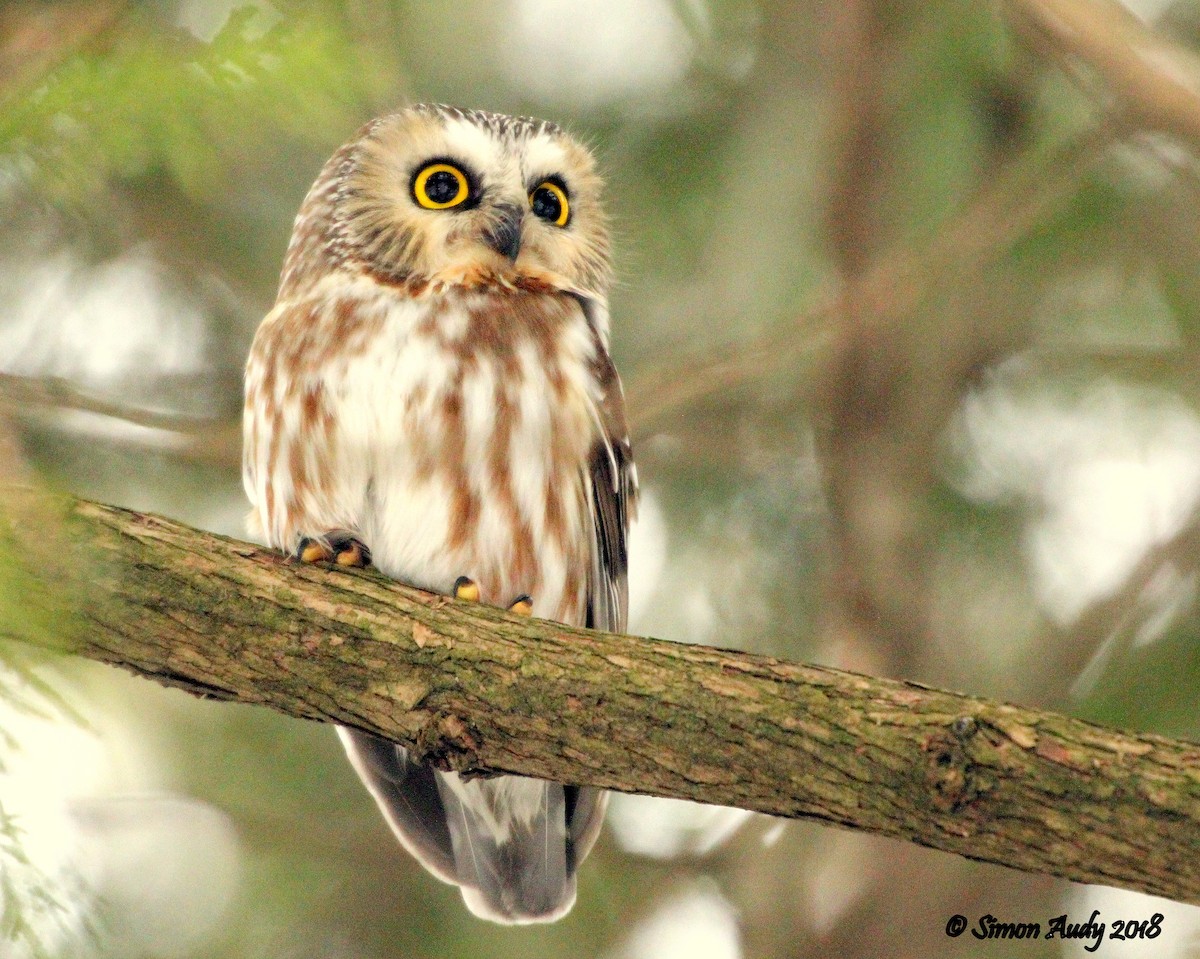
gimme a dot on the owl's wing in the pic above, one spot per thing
(612, 484)
(407, 793)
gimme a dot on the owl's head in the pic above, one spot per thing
(439, 195)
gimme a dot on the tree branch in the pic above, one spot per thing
(472, 688)
(1154, 78)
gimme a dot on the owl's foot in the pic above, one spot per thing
(522, 605)
(467, 590)
(337, 546)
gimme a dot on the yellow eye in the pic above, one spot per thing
(549, 201)
(440, 186)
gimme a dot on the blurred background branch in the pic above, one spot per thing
(1148, 81)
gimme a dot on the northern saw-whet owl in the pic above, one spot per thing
(433, 393)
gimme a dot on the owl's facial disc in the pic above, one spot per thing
(463, 198)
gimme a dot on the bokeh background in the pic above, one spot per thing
(909, 316)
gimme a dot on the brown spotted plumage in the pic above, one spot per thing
(433, 393)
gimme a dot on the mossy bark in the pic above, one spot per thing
(473, 688)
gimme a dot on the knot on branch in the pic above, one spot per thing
(954, 779)
(449, 743)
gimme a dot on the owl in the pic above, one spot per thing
(433, 393)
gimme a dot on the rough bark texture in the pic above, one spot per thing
(473, 688)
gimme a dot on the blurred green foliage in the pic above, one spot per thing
(155, 101)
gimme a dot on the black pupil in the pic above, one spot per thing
(441, 187)
(545, 204)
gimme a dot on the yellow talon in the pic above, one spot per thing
(466, 589)
(337, 546)
(522, 606)
(314, 552)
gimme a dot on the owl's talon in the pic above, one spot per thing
(338, 546)
(522, 605)
(356, 554)
(466, 589)
(311, 550)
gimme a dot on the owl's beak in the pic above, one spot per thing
(505, 236)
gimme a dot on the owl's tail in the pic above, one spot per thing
(511, 843)
(509, 836)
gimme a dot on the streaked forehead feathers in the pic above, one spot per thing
(498, 124)
(477, 136)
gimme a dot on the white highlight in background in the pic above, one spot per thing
(96, 324)
(594, 51)
(1111, 474)
(665, 828)
(647, 555)
(152, 873)
(700, 924)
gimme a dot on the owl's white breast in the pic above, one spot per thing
(461, 427)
